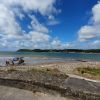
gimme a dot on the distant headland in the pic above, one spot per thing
(61, 50)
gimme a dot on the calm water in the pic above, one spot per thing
(66, 56)
(45, 57)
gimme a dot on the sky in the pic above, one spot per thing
(49, 24)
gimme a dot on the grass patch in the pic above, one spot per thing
(45, 70)
(11, 70)
(50, 71)
(8, 70)
(88, 70)
(1, 70)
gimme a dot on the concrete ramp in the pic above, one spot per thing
(9, 93)
(83, 85)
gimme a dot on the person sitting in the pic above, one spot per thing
(15, 59)
(21, 61)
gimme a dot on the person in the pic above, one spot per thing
(21, 61)
(9, 62)
(12, 63)
(16, 59)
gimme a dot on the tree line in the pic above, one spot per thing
(60, 50)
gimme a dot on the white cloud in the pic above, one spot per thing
(11, 33)
(51, 17)
(92, 31)
(8, 24)
(36, 26)
(96, 44)
(57, 44)
(96, 13)
(45, 7)
(31, 41)
(18, 12)
(37, 37)
(52, 20)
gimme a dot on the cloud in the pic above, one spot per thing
(52, 20)
(36, 26)
(31, 41)
(96, 44)
(34, 36)
(8, 24)
(57, 44)
(91, 31)
(12, 34)
(44, 7)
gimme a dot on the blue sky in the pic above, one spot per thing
(49, 24)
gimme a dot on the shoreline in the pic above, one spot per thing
(65, 67)
(29, 61)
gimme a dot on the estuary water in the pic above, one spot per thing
(42, 57)
(77, 56)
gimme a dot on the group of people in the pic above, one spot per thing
(15, 61)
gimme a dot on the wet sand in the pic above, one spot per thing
(64, 65)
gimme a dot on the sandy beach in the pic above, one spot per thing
(64, 66)
(25, 77)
